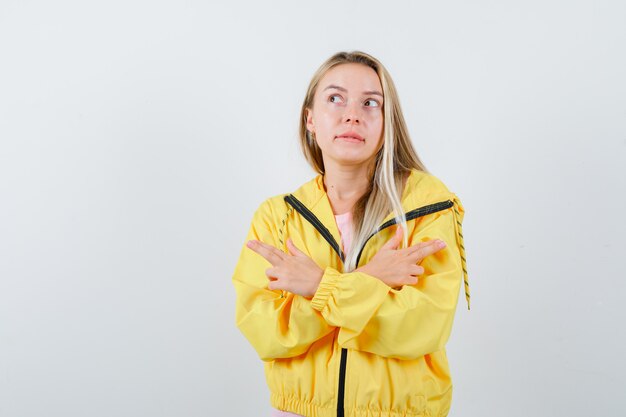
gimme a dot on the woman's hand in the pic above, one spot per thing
(398, 267)
(294, 272)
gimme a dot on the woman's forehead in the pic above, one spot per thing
(352, 78)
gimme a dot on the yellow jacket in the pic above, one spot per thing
(358, 348)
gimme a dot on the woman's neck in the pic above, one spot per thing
(345, 186)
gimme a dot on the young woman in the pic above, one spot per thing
(347, 287)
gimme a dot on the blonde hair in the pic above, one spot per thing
(393, 162)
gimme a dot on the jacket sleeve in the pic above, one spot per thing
(277, 324)
(409, 322)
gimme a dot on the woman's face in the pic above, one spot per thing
(347, 115)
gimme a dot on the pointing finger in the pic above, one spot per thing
(269, 252)
(421, 245)
(423, 251)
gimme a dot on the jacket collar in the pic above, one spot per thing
(421, 190)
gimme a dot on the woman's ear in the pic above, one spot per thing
(310, 125)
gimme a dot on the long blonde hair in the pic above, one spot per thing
(393, 162)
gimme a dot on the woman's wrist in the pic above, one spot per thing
(316, 283)
(364, 269)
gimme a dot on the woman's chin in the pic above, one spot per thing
(352, 158)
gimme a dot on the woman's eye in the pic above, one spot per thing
(374, 103)
(334, 96)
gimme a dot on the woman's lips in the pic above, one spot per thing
(351, 137)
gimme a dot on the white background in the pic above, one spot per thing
(138, 137)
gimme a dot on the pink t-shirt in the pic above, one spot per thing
(344, 223)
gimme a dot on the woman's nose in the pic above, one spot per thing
(352, 113)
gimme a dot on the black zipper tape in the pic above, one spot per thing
(307, 214)
(413, 214)
(342, 382)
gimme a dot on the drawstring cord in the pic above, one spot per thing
(281, 237)
(459, 232)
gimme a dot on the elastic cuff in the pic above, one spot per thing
(326, 287)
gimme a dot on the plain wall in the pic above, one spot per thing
(138, 137)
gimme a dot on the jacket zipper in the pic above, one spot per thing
(311, 218)
(307, 214)
(410, 215)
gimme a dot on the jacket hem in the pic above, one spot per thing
(297, 406)
(308, 409)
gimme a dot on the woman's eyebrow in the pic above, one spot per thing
(371, 92)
